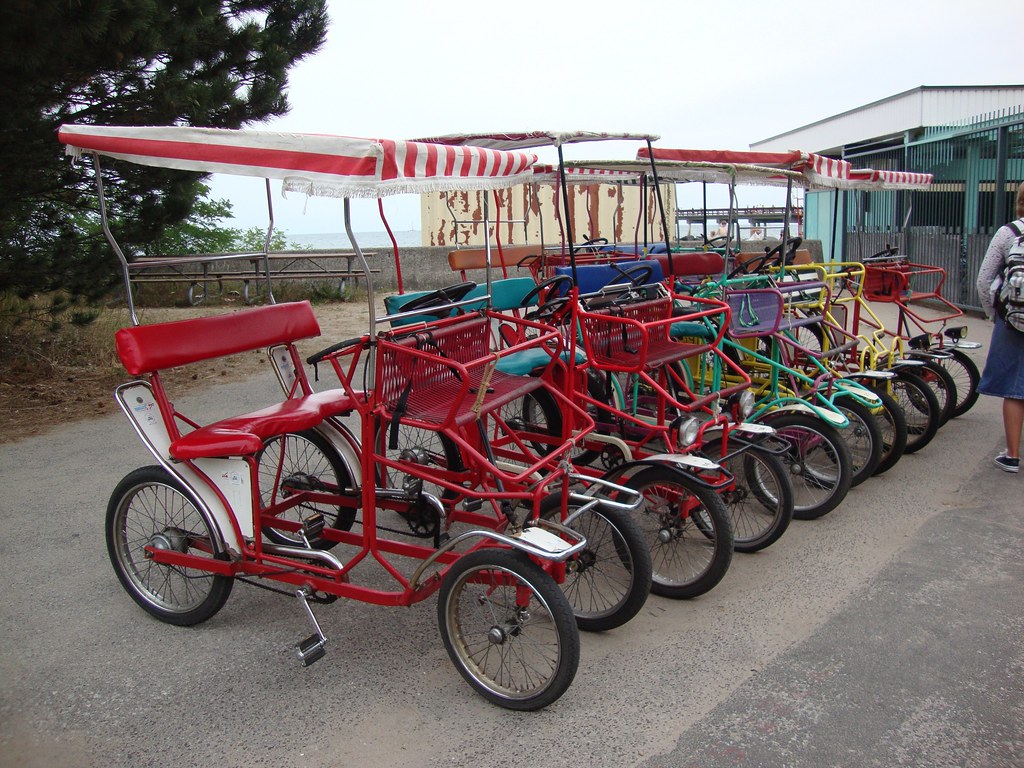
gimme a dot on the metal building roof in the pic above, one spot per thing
(892, 117)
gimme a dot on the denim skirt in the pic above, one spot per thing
(1004, 367)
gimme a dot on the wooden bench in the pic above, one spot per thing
(150, 349)
(200, 272)
(466, 259)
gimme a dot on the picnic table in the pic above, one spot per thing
(205, 273)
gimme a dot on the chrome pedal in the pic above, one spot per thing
(311, 649)
(313, 527)
(314, 647)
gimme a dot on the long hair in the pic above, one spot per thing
(1020, 201)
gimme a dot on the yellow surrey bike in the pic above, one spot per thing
(860, 345)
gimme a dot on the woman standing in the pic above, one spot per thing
(1004, 368)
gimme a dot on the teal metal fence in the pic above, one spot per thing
(977, 168)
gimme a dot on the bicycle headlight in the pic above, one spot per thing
(746, 403)
(689, 428)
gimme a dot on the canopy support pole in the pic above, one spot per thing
(394, 242)
(661, 203)
(785, 225)
(371, 314)
(566, 223)
(104, 222)
(487, 242)
(266, 245)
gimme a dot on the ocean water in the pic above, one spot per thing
(317, 240)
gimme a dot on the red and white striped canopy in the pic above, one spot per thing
(586, 173)
(683, 171)
(314, 164)
(532, 139)
(817, 171)
(868, 178)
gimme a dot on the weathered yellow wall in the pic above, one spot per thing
(529, 215)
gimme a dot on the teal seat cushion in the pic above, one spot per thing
(506, 294)
(683, 330)
(393, 305)
(529, 360)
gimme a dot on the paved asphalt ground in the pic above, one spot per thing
(890, 632)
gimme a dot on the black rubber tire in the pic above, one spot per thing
(760, 498)
(151, 507)
(942, 384)
(535, 413)
(309, 461)
(608, 582)
(599, 388)
(920, 409)
(819, 492)
(691, 549)
(863, 437)
(966, 376)
(893, 426)
(486, 586)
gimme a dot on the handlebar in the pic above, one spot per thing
(317, 357)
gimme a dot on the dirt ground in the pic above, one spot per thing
(34, 406)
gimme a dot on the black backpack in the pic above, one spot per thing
(1009, 299)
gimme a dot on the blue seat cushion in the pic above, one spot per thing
(594, 277)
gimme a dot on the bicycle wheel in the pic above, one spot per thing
(421, 447)
(150, 508)
(627, 399)
(920, 409)
(687, 530)
(966, 376)
(942, 384)
(759, 499)
(863, 437)
(535, 413)
(609, 581)
(508, 628)
(818, 461)
(618, 394)
(893, 425)
(303, 461)
(810, 337)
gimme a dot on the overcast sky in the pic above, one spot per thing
(706, 75)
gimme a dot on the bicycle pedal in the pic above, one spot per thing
(313, 526)
(473, 505)
(311, 650)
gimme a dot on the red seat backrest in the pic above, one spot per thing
(691, 264)
(149, 348)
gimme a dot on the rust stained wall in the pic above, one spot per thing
(524, 213)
